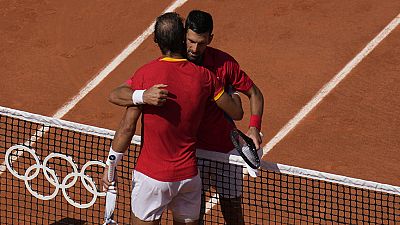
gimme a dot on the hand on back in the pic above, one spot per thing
(156, 95)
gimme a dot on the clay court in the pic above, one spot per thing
(329, 70)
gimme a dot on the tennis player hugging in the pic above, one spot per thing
(166, 173)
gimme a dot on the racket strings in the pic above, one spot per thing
(245, 146)
(250, 153)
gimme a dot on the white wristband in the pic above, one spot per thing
(113, 154)
(137, 97)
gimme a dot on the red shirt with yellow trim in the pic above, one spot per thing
(214, 131)
(169, 133)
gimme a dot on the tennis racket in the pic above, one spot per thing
(111, 195)
(246, 148)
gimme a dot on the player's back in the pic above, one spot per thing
(169, 132)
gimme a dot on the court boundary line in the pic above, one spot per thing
(99, 77)
(328, 87)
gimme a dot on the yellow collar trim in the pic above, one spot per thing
(169, 59)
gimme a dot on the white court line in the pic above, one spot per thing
(100, 76)
(328, 87)
(211, 203)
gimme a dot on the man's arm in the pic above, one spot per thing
(126, 129)
(123, 137)
(122, 95)
(256, 99)
(241, 82)
(238, 105)
(230, 105)
(236, 97)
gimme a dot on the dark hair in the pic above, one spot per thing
(169, 33)
(199, 22)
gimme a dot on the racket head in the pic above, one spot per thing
(246, 148)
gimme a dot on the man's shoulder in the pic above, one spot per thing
(217, 58)
(149, 67)
(197, 68)
(150, 64)
(218, 53)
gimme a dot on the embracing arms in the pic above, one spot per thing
(157, 95)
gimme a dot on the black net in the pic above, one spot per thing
(55, 176)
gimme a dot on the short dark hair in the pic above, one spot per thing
(169, 33)
(199, 22)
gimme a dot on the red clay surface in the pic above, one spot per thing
(50, 50)
(354, 131)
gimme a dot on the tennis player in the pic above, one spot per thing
(216, 126)
(166, 173)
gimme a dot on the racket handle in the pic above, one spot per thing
(111, 168)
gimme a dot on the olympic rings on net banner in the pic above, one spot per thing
(51, 176)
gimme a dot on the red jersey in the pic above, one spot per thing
(215, 128)
(169, 133)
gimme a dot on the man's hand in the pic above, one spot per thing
(255, 135)
(105, 183)
(156, 95)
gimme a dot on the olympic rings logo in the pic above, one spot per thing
(52, 177)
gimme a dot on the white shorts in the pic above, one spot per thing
(151, 197)
(226, 178)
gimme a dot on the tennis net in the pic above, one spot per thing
(52, 169)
